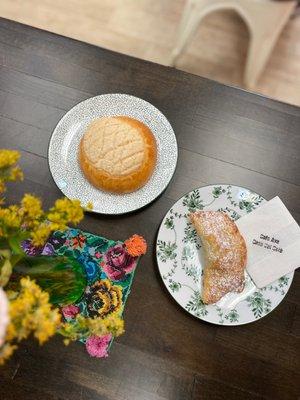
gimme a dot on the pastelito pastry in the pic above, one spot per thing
(225, 254)
(117, 154)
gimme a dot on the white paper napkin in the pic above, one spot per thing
(273, 242)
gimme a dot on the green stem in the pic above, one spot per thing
(15, 243)
(210, 202)
(175, 233)
(183, 284)
(15, 258)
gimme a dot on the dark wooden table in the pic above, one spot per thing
(225, 135)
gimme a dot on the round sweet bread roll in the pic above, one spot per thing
(117, 154)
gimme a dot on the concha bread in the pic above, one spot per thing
(117, 154)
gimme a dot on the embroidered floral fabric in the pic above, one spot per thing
(109, 269)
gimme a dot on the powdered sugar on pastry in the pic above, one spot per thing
(225, 254)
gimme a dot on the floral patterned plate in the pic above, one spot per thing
(180, 258)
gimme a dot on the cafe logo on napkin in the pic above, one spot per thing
(268, 243)
(272, 237)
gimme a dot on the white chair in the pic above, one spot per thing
(265, 20)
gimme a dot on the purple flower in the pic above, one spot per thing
(29, 249)
(57, 240)
(48, 250)
(117, 262)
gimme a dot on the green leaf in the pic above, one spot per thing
(15, 243)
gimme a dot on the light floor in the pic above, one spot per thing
(147, 29)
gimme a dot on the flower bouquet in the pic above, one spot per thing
(49, 279)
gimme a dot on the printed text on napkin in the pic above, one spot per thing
(273, 242)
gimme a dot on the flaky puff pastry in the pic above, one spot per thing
(225, 254)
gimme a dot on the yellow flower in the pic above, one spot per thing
(69, 210)
(75, 212)
(45, 329)
(54, 217)
(56, 221)
(8, 172)
(2, 186)
(9, 219)
(6, 351)
(114, 324)
(89, 206)
(16, 174)
(29, 217)
(31, 312)
(8, 158)
(31, 206)
(5, 268)
(82, 328)
(41, 234)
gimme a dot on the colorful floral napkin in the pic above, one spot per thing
(109, 269)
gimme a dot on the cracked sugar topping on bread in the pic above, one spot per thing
(117, 154)
(113, 146)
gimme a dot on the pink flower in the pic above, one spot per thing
(4, 316)
(117, 262)
(70, 311)
(97, 345)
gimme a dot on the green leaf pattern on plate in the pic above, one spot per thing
(196, 306)
(169, 222)
(166, 250)
(191, 235)
(193, 201)
(232, 316)
(178, 249)
(231, 213)
(192, 271)
(220, 315)
(259, 305)
(217, 191)
(174, 286)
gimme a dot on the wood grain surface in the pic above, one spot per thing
(225, 135)
(147, 29)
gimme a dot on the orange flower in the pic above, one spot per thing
(136, 245)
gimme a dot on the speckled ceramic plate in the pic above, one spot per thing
(63, 152)
(180, 259)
